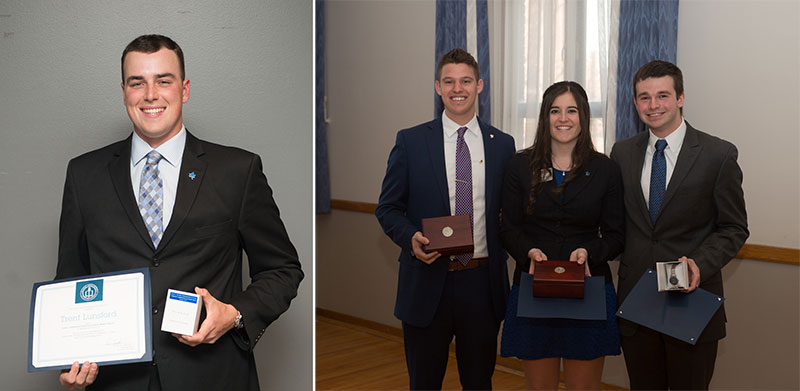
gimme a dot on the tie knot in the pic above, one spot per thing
(661, 145)
(153, 157)
(461, 131)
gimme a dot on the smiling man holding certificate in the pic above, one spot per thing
(185, 209)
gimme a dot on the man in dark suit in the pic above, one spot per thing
(684, 201)
(451, 165)
(186, 209)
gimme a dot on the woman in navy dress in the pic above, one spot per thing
(562, 200)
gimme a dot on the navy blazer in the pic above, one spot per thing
(224, 208)
(590, 215)
(415, 187)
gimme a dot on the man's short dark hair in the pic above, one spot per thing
(657, 69)
(152, 43)
(458, 56)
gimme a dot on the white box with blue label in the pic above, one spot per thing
(181, 312)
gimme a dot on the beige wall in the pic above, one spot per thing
(741, 65)
(740, 62)
(380, 75)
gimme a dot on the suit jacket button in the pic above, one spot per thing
(155, 261)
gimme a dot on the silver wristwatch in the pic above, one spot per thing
(238, 323)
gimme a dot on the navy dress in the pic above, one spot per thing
(588, 214)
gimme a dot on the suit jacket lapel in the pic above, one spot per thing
(635, 174)
(120, 170)
(190, 177)
(490, 156)
(435, 141)
(575, 187)
(689, 152)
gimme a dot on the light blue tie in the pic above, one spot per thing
(658, 179)
(151, 198)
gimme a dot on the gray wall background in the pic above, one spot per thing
(250, 64)
(740, 60)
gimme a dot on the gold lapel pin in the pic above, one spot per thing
(491, 135)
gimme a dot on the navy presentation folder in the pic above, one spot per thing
(591, 307)
(677, 314)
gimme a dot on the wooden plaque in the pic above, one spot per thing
(558, 279)
(449, 235)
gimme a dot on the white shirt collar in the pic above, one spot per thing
(171, 150)
(451, 127)
(674, 139)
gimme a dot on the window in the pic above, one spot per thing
(553, 40)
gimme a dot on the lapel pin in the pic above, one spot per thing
(491, 135)
(587, 173)
(192, 175)
(546, 174)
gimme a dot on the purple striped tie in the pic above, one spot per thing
(463, 185)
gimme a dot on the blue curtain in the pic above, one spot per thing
(451, 33)
(323, 180)
(648, 30)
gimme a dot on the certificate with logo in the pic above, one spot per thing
(103, 318)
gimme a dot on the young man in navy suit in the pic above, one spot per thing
(451, 165)
(684, 201)
(214, 202)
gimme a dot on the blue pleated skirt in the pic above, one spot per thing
(533, 338)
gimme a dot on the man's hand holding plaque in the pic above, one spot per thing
(418, 243)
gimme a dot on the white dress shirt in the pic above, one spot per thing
(674, 143)
(168, 168)
(474, 141)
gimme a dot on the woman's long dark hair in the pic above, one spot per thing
(540, 153)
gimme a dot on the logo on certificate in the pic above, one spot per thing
(88, 291)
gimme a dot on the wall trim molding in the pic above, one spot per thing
(757, 252)
(354, 206)
(508, 362)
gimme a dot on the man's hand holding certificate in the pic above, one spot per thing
(98, 319)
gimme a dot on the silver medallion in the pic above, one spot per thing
(447, 232)
(560, 270)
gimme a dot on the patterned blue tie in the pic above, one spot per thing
(151, 198)
(658, 179)
(463, 185)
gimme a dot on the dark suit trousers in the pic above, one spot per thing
(155, 381)
(656, 361)
(465, 311)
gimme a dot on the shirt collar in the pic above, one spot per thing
(674, 139)
(451, 127)
(171, 150)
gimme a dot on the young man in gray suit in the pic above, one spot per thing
(684, 201)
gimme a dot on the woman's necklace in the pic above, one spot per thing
(558, 167)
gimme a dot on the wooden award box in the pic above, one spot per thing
(449, 235)
(558, 279)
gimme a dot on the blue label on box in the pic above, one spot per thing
(88, 291)
(182, 297)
